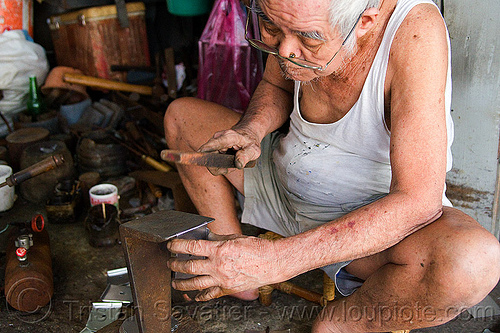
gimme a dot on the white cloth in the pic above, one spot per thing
(19, 59)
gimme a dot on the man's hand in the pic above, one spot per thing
(245, 142)
(233, 265)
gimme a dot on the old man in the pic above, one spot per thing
(356, 183)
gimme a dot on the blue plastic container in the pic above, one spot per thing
(189, 7)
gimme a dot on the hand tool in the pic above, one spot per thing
(149, 160)
(43, 166)
(95, 82)
(211, 160)
(139, 138)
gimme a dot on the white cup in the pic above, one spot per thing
(6, 193)
(104, 193)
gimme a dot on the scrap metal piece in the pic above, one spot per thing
(117, 293)
(101, 315)
(144, 243)
(118, 276)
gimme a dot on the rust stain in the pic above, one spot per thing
(464, 193)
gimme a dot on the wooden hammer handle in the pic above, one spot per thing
(95, 82)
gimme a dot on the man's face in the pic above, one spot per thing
(300, 29)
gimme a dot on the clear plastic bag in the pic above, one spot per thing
(229, 68)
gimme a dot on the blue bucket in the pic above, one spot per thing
(189, 7)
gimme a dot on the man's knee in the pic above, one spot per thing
(463, 265)
(173, 119)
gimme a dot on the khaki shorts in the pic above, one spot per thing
(266, 206)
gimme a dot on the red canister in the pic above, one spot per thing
(28, 273)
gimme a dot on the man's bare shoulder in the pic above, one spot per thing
(422, 37)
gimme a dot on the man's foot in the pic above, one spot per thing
(247, 295)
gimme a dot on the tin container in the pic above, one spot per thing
(102, 225)
(7, 193)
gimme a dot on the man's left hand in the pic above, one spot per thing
(232, 265)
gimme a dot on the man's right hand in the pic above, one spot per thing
(243, 141)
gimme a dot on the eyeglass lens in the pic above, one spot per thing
(259, 44)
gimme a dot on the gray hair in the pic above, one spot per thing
(344, 14)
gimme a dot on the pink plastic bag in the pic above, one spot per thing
(229, 68)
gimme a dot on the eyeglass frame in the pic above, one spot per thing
(275, 52)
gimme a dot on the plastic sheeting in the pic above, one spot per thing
(229, 68)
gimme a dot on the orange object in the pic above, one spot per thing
(16, 14)
(28, 282)
(55, 86)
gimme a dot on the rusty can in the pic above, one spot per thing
(102, 225)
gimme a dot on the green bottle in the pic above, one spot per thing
(35, 104)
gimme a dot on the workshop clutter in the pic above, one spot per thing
(97, 152)
(38, 189)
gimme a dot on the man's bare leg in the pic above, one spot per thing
(189, 123)
(425, 280)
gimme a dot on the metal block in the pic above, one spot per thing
(144, 243)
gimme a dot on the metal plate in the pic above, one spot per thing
(164, 225)
(101, 315)
(116, 293)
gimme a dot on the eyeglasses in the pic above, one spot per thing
(260, 45)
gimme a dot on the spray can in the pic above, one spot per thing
(28, 272)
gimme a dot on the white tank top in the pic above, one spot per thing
(330, 165)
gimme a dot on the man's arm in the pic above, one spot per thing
(418, 68)
(269, 108)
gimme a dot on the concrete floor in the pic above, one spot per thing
(80, 279)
